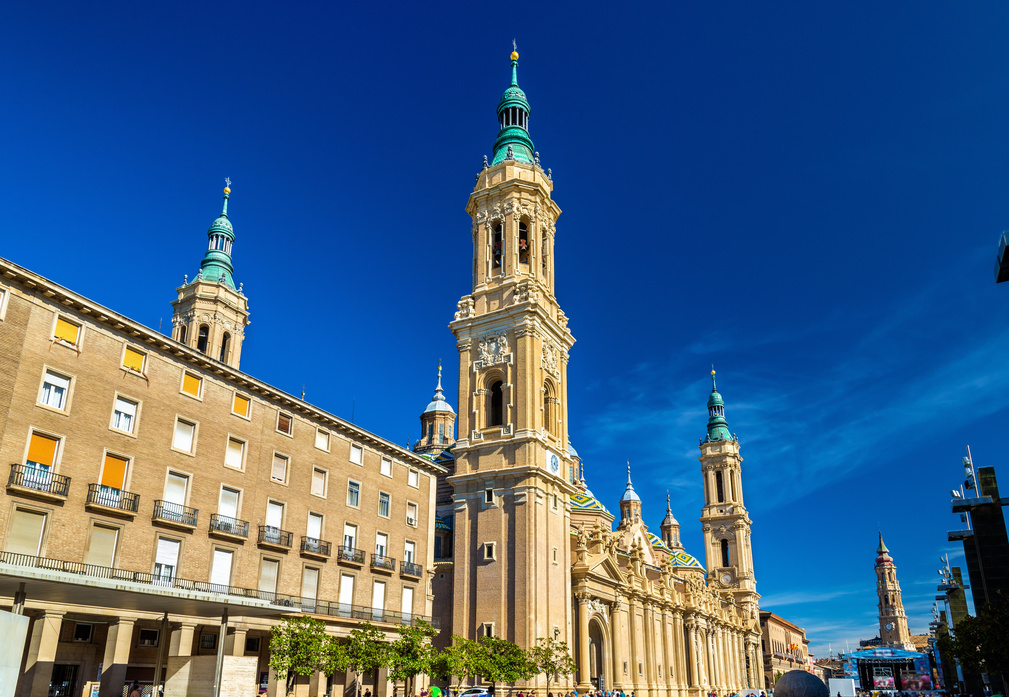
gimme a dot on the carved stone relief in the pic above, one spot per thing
(493, 349)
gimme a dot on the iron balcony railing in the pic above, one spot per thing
(410, 569)
(229, 526)
(113, 498)
(274, 536)
(381, 562)
(288, 603)
(315, 546)
(350, 554)
(175, 513)
(38, 479)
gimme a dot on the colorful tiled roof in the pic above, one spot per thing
(682, 560)
(657, 542)
(587, 503)
(441, 524)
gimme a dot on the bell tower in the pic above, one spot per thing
(437, 423)
(892, 620)
(724, 520)
(512, 463)
(210, 315)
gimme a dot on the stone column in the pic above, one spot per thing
(620, 679)
(234, 644)
(182, 640)
(41, 655)
(667, 652)
(680, 653)
(584, 674)
(118, 643)
(694, 674)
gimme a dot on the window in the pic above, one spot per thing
(346, 594)
(268, 569)
(83, 632)
(309, 583)
(184, 437)
(241, 405)
(55, 388)
(381, 543)
(175, 495)
(409, 550)
(725, 553)
(201, 341)
(274, 515)
(406, 606)
(411, 514)
(225, 348)
(134, 360)
(227, 502)
(166, 559)
(487, 629)
(378, 601)
(489, 551)
(67, 331)
(523, 243)
(182, 333)
(40, 460)
(349, 536)
(719, 487)
(497, 247)
(279, 473)
(235, 454)
(353, 493)
(208, 641)
(285, 423)
(356, 454)
(386, 467)
(488, 496)
(113, 479)
(220, 570)
(3, 298)
(124, 415)
(318, 482)
(314, 528)
(555, 502)
(322, 439)
(252, 644)
(148, 637)
(383, 504)
(413, 479)
(25, 535)
(441, 433)
(192, 384)
(555, 555)
(496, 411)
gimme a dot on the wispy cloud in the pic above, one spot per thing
(773, 600)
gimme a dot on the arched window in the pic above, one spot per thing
(496, 412)
(523, 243)
(497, 246)
(441, 433)
(719, 487)
(725, 553)
(430, 433)
(182, 334)
(551, 416)
(201, 342)
(544, 262)
(225, 347)
(732, 484)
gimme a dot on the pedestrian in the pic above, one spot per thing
(135, 692)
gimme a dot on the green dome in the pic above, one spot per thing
(513, 119)
(718, 427)
(216, 266)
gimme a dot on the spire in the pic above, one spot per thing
(438, 401)
(882, 553)
(513, 140)
(216, 266)
(718, 427)
(629, 493)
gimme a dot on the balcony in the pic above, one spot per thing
(105, 499)
(407, 568)
(311, 547)
(274, 538)
(38, 483)
(381, 563)
(349, 555)
(228, 528)
(175, 515)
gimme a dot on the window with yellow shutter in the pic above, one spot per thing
(42, 451)
(191, 384)
(134, 360)
(67, 331)
(114, 471)
(241, 405)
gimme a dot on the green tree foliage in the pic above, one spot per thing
(462, 660)
(364, 651)
(503, 661)
(297, 647)
(980, 641)
(411, 654)
(552, 658)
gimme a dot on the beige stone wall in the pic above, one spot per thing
(194, 675)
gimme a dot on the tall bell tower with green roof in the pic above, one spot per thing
(511, 489)
(724, 521)
(210, 314)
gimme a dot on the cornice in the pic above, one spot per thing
(124, 325)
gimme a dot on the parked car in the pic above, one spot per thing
(474, 692)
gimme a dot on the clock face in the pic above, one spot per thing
(726, 579)
(889, 625)
(555, 462)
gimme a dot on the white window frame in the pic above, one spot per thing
(349, 483)
(388, 497)
(385, 548)
(136, 415)
(355, 537)
(196, 430)
(487, 629)
(356, 451)
(489, 551)
(489, 497)
(410, 555)
(199, 390)
(413, 478)
(236, 393)
(325, 482)
(245, 452)
(327, 434)
(4, 295)
(143, 363)
(140, 637)
(385, 469)
(289, 434)
(65, 406)
(416, 513)
(80, 332)
(287, 467)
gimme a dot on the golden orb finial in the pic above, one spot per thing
(227, 185)
(515, 55)
(712, 371)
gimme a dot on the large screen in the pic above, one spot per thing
(909, 680)
(883, 682)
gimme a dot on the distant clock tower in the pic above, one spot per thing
(893, 630)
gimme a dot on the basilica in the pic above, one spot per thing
(523, 548)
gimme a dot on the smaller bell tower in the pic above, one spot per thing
(670, 529)
(210, 314)
(893, 630)
(437, 423)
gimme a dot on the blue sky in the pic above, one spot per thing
(806, 195)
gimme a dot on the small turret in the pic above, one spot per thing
(437, 423)
(718, 427)
(630, 503)
(670, 529)
(882, 553)
(513, 141)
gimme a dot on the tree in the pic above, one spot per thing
(979, 641)
(363, 651)
(552, 658)
(504, 661)
(297, 647)
(463, 659)
(412, 653)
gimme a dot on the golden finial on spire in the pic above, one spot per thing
(515, 51)
(227, 185)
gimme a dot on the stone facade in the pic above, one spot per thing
(784, 647)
